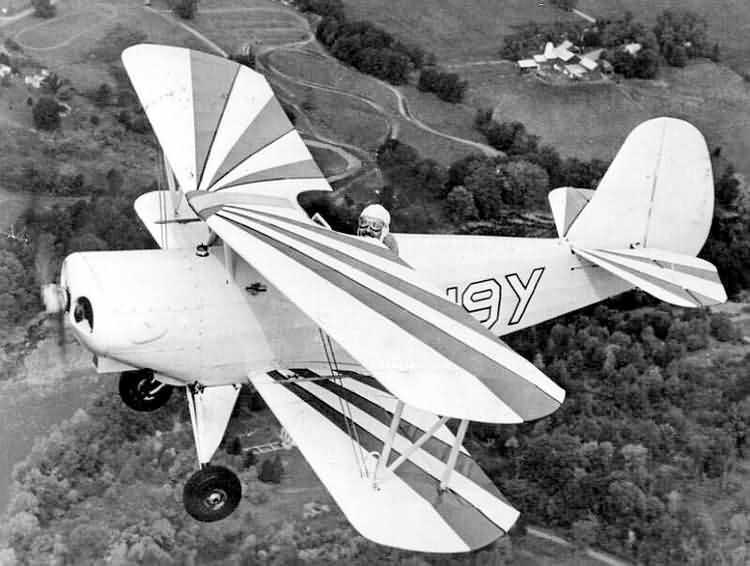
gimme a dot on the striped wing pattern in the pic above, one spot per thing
(340, 424)
(220, 126)
(679, 279)
(426, 350)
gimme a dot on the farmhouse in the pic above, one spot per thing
(527, 65)
(561, 59)
(632, 48)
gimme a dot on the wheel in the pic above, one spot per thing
(211, 494)
(141, 391)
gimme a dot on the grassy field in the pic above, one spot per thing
(330, 162)
(260, 24)
(312, 66)
(344, 119)
(55, 32)
(451, 29)
(593, 120)
(729, 21)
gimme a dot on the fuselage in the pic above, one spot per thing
(215, 319)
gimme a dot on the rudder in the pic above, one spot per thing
(657, 193)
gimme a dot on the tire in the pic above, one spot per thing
(211, 494)
(141, 391)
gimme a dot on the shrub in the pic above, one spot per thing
(271, 470)
(46, 113)
(103, 95)
(44, 8)
(250, 459)
(185, 9)
(448, 86)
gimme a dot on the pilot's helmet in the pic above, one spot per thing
(374, 222)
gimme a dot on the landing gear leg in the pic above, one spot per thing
(213, 492)
(141, 391)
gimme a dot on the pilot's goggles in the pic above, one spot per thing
(372, 224)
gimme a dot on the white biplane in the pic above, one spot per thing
(363, 356)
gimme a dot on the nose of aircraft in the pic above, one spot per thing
(78, 290)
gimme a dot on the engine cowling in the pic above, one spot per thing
(167, 310)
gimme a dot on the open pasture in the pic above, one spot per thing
(455, 30)
(232, 28)
(62, 30)
(330, 162)
(316, 68)
(592, 120)
(728, 21)
(345, 119)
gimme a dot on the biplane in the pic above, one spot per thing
(374, 363)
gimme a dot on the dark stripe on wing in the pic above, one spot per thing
(270, 125)
(434, 446)
(465, 519)
(523, 397)
(354, 241)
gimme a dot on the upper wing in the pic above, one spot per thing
(241, 166)
(221, 129)
(427, 351)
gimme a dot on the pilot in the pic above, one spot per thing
(374, 222)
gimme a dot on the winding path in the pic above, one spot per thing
(357, 156)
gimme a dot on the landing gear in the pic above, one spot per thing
(141, 391)
(211, 494)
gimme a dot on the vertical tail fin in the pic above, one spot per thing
(650, 215)
(658, 193)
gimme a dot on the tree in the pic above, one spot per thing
(448, 86)
(11, 288)
(271, 470)
(46, 113)
(681, 34)
(646, 65)
(44, 8)
(675, 55)
(566, 4)
(324, 8)
(185, 9)
(486, 183)
(585, 532)
(727, 188)
(502, 136)
(234, 447)
(459, 205)
(52, 83)
(246, 57)
(103, 95)
(527, 183)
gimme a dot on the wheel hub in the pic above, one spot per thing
(216, 499)
(146, 388)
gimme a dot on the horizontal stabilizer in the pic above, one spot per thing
(679, 279)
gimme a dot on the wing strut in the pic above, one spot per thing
(383, 460)
(418, 444)
(453, 455)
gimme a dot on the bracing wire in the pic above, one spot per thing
(351, 427)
